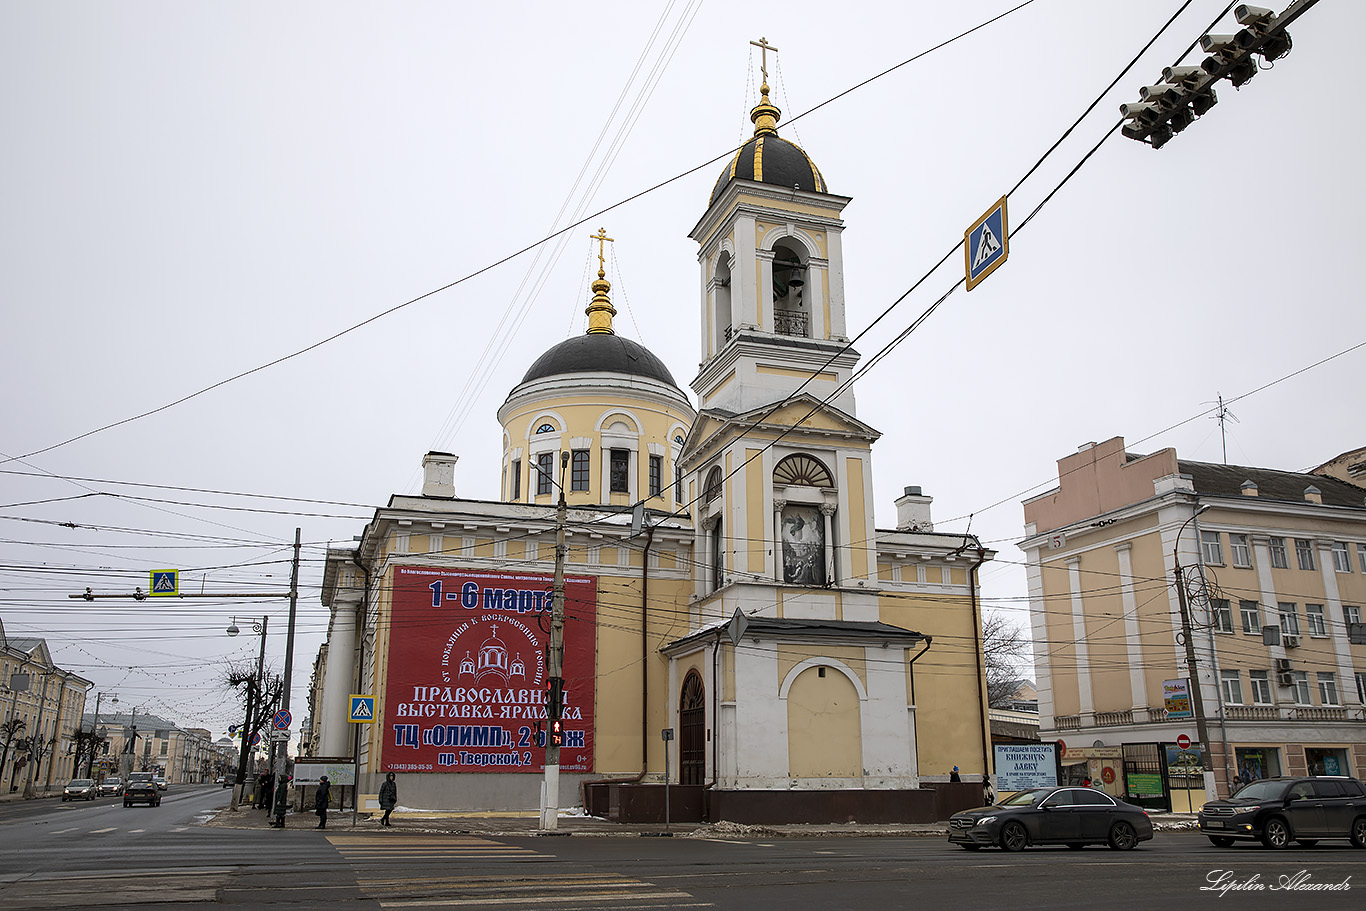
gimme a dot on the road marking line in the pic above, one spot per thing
(64, 831)
(136, 831)
(533, 899)
(102, 831)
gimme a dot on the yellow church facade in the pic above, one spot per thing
(732, 613)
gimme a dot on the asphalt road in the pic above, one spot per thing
(78, 855)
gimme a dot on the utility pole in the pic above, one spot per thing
(1193, 670)
(550, 805)
(281, 799)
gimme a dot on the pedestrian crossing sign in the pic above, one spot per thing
(362, 709)
(986, 244)
(165, 583)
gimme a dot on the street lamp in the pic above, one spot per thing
(1193, 681)
(252, 688)
(95, 732)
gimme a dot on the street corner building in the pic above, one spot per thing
(1261, 571)
(724, 579)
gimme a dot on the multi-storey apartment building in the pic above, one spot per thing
(40, 708)
(1274, 564)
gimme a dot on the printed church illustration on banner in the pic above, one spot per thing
(758, 612)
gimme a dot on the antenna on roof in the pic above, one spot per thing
(1223, 416)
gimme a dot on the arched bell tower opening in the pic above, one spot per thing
(722, 319)
(791, 307)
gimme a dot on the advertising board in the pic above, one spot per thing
(467, 677)
(1025, 765)
(1176, 698)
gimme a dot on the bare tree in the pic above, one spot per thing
(1005, 649)
(9, 732)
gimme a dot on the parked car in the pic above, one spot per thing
(1075, 817)
(1277, 811)
(111, 787)
(141, 789)
(160, 782)
(80, 789)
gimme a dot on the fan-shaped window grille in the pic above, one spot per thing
(713, 489)
(546, 428)
(802, 469)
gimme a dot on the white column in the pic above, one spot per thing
(1337, 626)
(1038, 625)
(339, 676)
(1086, 701)
(775, 566)
(1137, 678)
(828, 512)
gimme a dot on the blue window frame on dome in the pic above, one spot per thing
(545, 464)
(546, 428)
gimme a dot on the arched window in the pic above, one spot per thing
(802, 469)
(721, 295)
(789, 284)
(546, 428)
(713, 488)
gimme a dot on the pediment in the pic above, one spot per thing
(802, 416)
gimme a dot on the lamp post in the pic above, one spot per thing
(253, 688)
(130, 745)
(95, 732)
(1193, 682)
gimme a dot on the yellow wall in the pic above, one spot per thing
(823, 732)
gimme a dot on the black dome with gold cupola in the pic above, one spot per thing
(769, 158)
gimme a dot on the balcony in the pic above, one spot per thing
(1251, 713)
(1067, 722)
(1318, 713)
(790, 322)
(1109, 719)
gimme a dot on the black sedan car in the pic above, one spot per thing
(1075, 817)
(1277, 811)
(141, 789)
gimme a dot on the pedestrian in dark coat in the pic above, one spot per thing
(388, 798)
(954, 776)
(320, 799)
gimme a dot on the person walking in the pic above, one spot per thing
(954, 776)
(320, 799)
(388, 798)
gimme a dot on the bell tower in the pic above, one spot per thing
(772, 275)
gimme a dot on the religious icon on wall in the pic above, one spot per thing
(803, 534)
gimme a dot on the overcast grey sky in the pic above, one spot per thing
(192, 190)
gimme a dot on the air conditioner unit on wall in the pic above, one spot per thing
(1284, 678)
(1291, 641)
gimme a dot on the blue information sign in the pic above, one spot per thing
(986, 244)
(362, 709)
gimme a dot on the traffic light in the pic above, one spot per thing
(557, 732)
(555, 700)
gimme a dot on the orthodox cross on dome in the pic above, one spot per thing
(601, 237)
(764, 47)
(764, 116)
(600, 310)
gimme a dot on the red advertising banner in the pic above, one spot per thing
(468, 676)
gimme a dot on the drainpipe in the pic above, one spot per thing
(715, 708)
(929, 640)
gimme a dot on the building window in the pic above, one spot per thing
(516, 479)
(1240, 550)
(1351, 614)
(1261, 687)
(713, 488)
(1233, 687)
(545, 464)
(678, 484)
(1361, 686)
(1304, 553)
(1361, 556)
(1342, 560)
(1299, 688)
(656, 470)
(1277, 548)
(546, 428)
(578, 470)
(1251, 613)
(1210, 549)
(1313, 615)
(1328, 688)
(619, 475)
(1222, 615)
(1290, 620)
